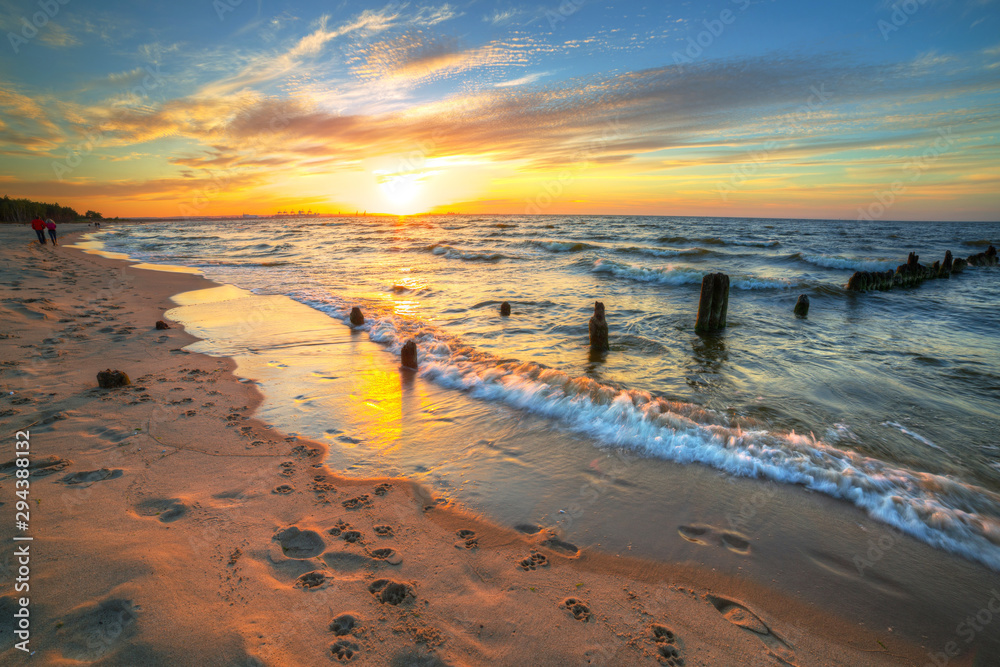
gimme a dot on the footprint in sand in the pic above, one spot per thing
(343, 624)
(706, 535)
(296, 543)
(391, 592)
(357, 502)
(667, 645)
(579, 608)
(94, 631)
(533, 562)
(166, 510)
(383, 531)
(283, 489)
(382, 489)
(339, 528)
(91, 476)
(40, 467)
(390, 556)
(312, 581)
(343, 650)
(741, 616)
(352, 536)
(560, 545)
(468, 538)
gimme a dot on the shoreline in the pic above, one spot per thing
(170, 584)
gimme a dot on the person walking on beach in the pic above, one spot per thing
(39, 226)
(50, 224)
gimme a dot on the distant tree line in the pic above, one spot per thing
(25, 210)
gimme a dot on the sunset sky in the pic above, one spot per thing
(763, 108)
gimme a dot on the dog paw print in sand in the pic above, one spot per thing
(533, 562)
(343, 624)
(391, 592)
(467, 539)
(338, 528)
(579, 608)
(383, 531)
(382, 489)
(312, 581)
(740, 615)
(668, 650)
(91, 476)
(96, 630)
(300, 544)
(706, 535)
(283, 489)
(343, 650)
(357, 502)
(352, 536)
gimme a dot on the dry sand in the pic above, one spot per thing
(172, 528)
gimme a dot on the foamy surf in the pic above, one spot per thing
(942, 511)
(847, 263)
(671, 275)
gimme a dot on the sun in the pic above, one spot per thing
(402, 192)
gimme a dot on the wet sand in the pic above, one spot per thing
(174, 528)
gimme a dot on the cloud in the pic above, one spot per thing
(522, 81)
(502, 17)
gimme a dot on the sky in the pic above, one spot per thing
(744, 108)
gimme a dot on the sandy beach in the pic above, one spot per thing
(171, 527)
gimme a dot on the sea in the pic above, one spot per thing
(887, 400)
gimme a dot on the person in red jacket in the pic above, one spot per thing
(50, 225)
(39, 226)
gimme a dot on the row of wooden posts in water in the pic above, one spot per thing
(713, 305)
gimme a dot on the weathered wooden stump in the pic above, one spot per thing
(959, 265)
(988, 258)
(110, 379)
(802, 306)
(160, 324)
(505, 309)
(713, 306)
(946, 265)
(357, 317)
(599, 329)
(408, 355)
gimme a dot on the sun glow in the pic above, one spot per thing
(402, 192)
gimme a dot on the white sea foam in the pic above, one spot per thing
(671, 275)
(849, 263)
(940, 510)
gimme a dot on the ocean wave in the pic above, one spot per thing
(671, 275)
(940, 510)
(563, 246)
(715, 240)
(450, 252)
(847, 263)
(981, 242)
(665, 252)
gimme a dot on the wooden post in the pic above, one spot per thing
(408, 355)
(802, 306)
(504, 309)
(357, 317)
(713, 306)
(599, 329)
